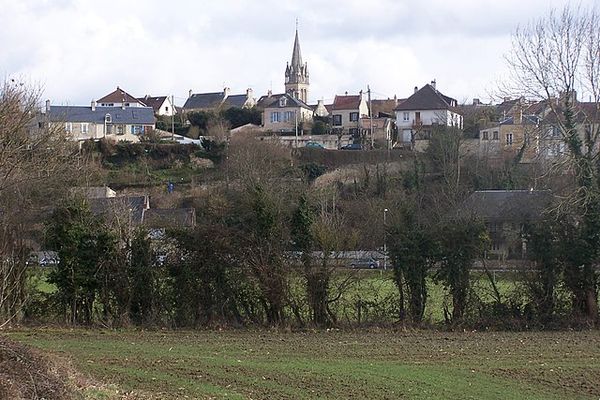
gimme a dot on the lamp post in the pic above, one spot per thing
(385, 210)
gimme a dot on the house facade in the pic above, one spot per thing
(282, 113)
(94, 122)
(162, 105)
(505, 212)
(346, 112)
(426, 108)
(511, 136)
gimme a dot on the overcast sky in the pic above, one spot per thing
(80, 50)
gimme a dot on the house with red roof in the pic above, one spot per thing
(119, 98)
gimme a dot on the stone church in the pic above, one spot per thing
(296, 74)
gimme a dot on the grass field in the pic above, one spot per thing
(332, 365)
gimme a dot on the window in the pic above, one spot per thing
(495, 246)
(484, 135)
(68, 127)
(417, 117)
(282, 102)
(166, 109)
(288, 116)
(337, 120)
(126, 104)
(120, 130)
(353, 131)
(509, 139)
(353, 116)
(136, 129)
(85, 128)
(406, 116)
(134, 115)
(495, 135)
(275, 117)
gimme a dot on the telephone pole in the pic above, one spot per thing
(172, 117)
(370, 116)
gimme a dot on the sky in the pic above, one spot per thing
(79, 50)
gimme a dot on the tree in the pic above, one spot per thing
(552, 59)
(85, 248)
(461, 242)
(322, 231)
(413, 251)
(37, 163)
(237, 117)
(544, 248)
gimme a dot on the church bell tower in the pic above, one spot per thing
(296, 74)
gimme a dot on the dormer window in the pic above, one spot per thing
(107, 119)
(283, 102)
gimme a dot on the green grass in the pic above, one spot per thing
(334, 365)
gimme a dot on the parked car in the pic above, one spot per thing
(367, 262)
(352, 146)
(314, 145)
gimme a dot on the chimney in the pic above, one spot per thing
(93, 105)
(433, 83)
(226, 92)
(190, 93)
(416, 89)
(346, 93)
(47, 105)
(506, 99)
(269, 93)
(249, 93)
(476, 102)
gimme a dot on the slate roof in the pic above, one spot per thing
(427, 98)
(291, 102)
(203, 101)
(128, 115)
(236, 100)
(508, 205)
(119, 96)
(155, 102)
(296, 54)
(135, 205)
(351, 102)
(170, 217)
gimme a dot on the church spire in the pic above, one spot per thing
(296, 54)
(296, 73)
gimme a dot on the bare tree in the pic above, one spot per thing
(34, 158)
(552, 59)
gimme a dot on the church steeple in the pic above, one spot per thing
(296, 73)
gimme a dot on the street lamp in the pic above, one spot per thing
(385, 210)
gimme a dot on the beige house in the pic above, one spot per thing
(511, 136)
(346, 113)
(94, 122)
(283, 113)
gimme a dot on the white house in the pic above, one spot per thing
(161, 105)
(426, 108)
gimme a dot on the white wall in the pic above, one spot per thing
(429, 117)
